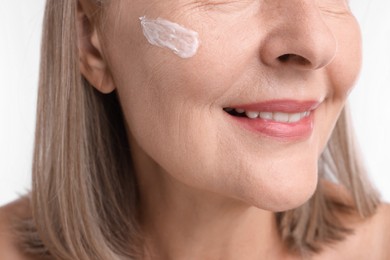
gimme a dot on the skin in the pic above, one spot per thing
(174, 107)
(208, 189)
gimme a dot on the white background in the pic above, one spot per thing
(20, 31)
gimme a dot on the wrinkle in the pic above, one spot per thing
(227, 6)
(335, 8)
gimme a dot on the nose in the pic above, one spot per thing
(297, 36)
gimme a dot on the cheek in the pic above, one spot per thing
(345, 68)
(342, 74)
(169, 104)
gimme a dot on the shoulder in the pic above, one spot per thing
(8, 239)
(383, 228)
(370, 238)
(373, 234)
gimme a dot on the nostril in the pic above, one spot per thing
(293, 58)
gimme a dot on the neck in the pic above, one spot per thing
(181, 222)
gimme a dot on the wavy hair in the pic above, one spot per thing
(84, 197)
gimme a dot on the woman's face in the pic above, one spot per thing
(289, 56)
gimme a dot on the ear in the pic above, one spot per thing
(92, 64)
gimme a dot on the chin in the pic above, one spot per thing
(291, 199)
(283, 194)
(284, 200)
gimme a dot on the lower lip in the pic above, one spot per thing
(282, 131)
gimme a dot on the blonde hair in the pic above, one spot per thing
(84, 194)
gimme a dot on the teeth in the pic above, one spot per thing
(252, 114)
(274, 116)
(280, 117)
(266, 115)
(294, 117)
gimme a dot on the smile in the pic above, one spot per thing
(280, 117)
(285, 120)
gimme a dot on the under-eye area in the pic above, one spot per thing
(281, 117)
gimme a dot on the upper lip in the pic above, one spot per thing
(286, 106)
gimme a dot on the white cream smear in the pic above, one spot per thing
(163, 33)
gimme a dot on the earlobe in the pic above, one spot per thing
(92, 64)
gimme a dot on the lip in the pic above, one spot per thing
(299, 130)
(286, 106)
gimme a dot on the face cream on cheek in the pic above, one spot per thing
(163, 33)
